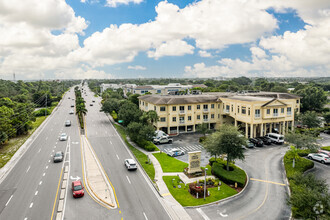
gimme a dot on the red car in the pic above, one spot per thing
(77, 189)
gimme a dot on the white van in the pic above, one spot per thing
(276, 138)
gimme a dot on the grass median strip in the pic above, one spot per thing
(170, 164)
(141, 157)
(186, 199)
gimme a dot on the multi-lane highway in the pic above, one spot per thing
(30, 190)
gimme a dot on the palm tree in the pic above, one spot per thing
(81, 109)
(294, 154)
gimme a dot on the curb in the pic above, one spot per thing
(225, 199)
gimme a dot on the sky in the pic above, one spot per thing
(114, 39)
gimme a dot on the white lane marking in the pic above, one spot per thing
(46, 167)
(54, 146)
(39, 150)
(40, 182)
(9, 200)
(117, 156)
(28, 169)
(43, 174)
(25, 218)
(145, 216)
(36, 193)
(31, 204)
(53, 150)
(48, 161)
(110, 142)
(56, 142)
(46, 138)
(202, 214)
(128, 180)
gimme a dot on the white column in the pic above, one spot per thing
(262, 129)
(246, 130)
(251, 131)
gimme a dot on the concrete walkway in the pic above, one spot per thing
(95, 178)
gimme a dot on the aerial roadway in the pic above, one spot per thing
(31, 189)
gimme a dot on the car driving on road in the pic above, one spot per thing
(58, 156)
(130, 164)
(77, 189)
(63, 137)
(175, 152)
(319, 157)
(71, 112)
(67, 123)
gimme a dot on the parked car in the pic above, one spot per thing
(325, 152)
(71, 112)
(266, 140)
(130, 164)
(67, 123)
(163, 140)
(276, 138)
(72, 105)
(68, 97)
(256, 142)
(175, 152)
(58, 156)
(319, 157)
(91, 104)
(249, 144)
(77, 189)
(63, 137)
(93, 100)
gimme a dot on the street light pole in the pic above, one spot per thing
(205, 183)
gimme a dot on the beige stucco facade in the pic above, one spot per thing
(255, 114)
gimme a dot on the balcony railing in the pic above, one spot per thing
(181, 111)
(181, 122)
(275, 114)
(205, 109)
(289, 113)
(257, 115)
(205, 119)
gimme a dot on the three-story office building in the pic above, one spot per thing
(254, 113)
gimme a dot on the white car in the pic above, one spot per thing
(175, 152)
(63, 137)
(130, 164)
(71, 112)
(319, 157)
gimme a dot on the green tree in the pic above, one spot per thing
(110, 105)
(327, 117)
(228, 140)
(134, 99)
(301, 141)
(242, 80)
(310, 119)
(149, 117)
(293, 153)
(279, 88)
(6, 127)
(313, 98)
(129, 112)
(202, 128)
(139, 132)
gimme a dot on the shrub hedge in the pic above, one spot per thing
(235, 175)
(147, 145)
(326, 148)
(301, 165)
(41, 112)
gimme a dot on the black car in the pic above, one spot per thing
(256, 142)
(266, 140)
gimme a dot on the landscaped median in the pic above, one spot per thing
(191, 193)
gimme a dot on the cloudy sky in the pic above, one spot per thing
(77, 39)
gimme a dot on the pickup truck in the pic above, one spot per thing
(163, 140)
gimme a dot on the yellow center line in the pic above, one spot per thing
(58, 187)
(266, 181)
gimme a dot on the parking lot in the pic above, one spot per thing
(190, 142)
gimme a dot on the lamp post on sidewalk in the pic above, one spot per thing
(205, 183)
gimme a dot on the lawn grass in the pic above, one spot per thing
(301, 165)
(170, 164)
(326, 148)
(141, 157)
(186, 199)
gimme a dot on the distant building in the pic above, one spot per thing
(255, 113)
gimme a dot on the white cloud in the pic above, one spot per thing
(83, 1)
(115, 3)
(137, 67)
(83, 72)
(171, 48)
(204, 53)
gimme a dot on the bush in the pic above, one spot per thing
(326, 148)
(305, 152)
(147, 145)
(201, 139)
(235, 175)
(41, 112)
(114, 116)
(301, 165)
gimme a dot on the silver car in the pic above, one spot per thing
(319, 157)
(63, 137)
(175, 152)
(58, 156)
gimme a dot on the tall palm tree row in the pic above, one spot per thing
(80, 107)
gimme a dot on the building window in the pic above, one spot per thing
(159, 91)
(143, 103)
(140, 102)
(174, 119)
(189, 107)
(189, 118)
(297, 101)
(218, 115)
(181, 119)
(275, 112)
(218, 105)
(205, 107)
(227, 108)
(268, 111)
(155, 108)
(282, 110)
(162, 119)
(198, 106)
(162, 109)
(205, 117)
(238, 109)
(181, 108)
(232, 108)
(257, 113)
(249, 112)
(174, 108)
(288, 110)
(198, 117)
(212, 115)
(212, 105)
(243, 110)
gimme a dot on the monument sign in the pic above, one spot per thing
(194, 162)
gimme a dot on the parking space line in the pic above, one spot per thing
(266, 181)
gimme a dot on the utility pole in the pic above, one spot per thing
(46, 106)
